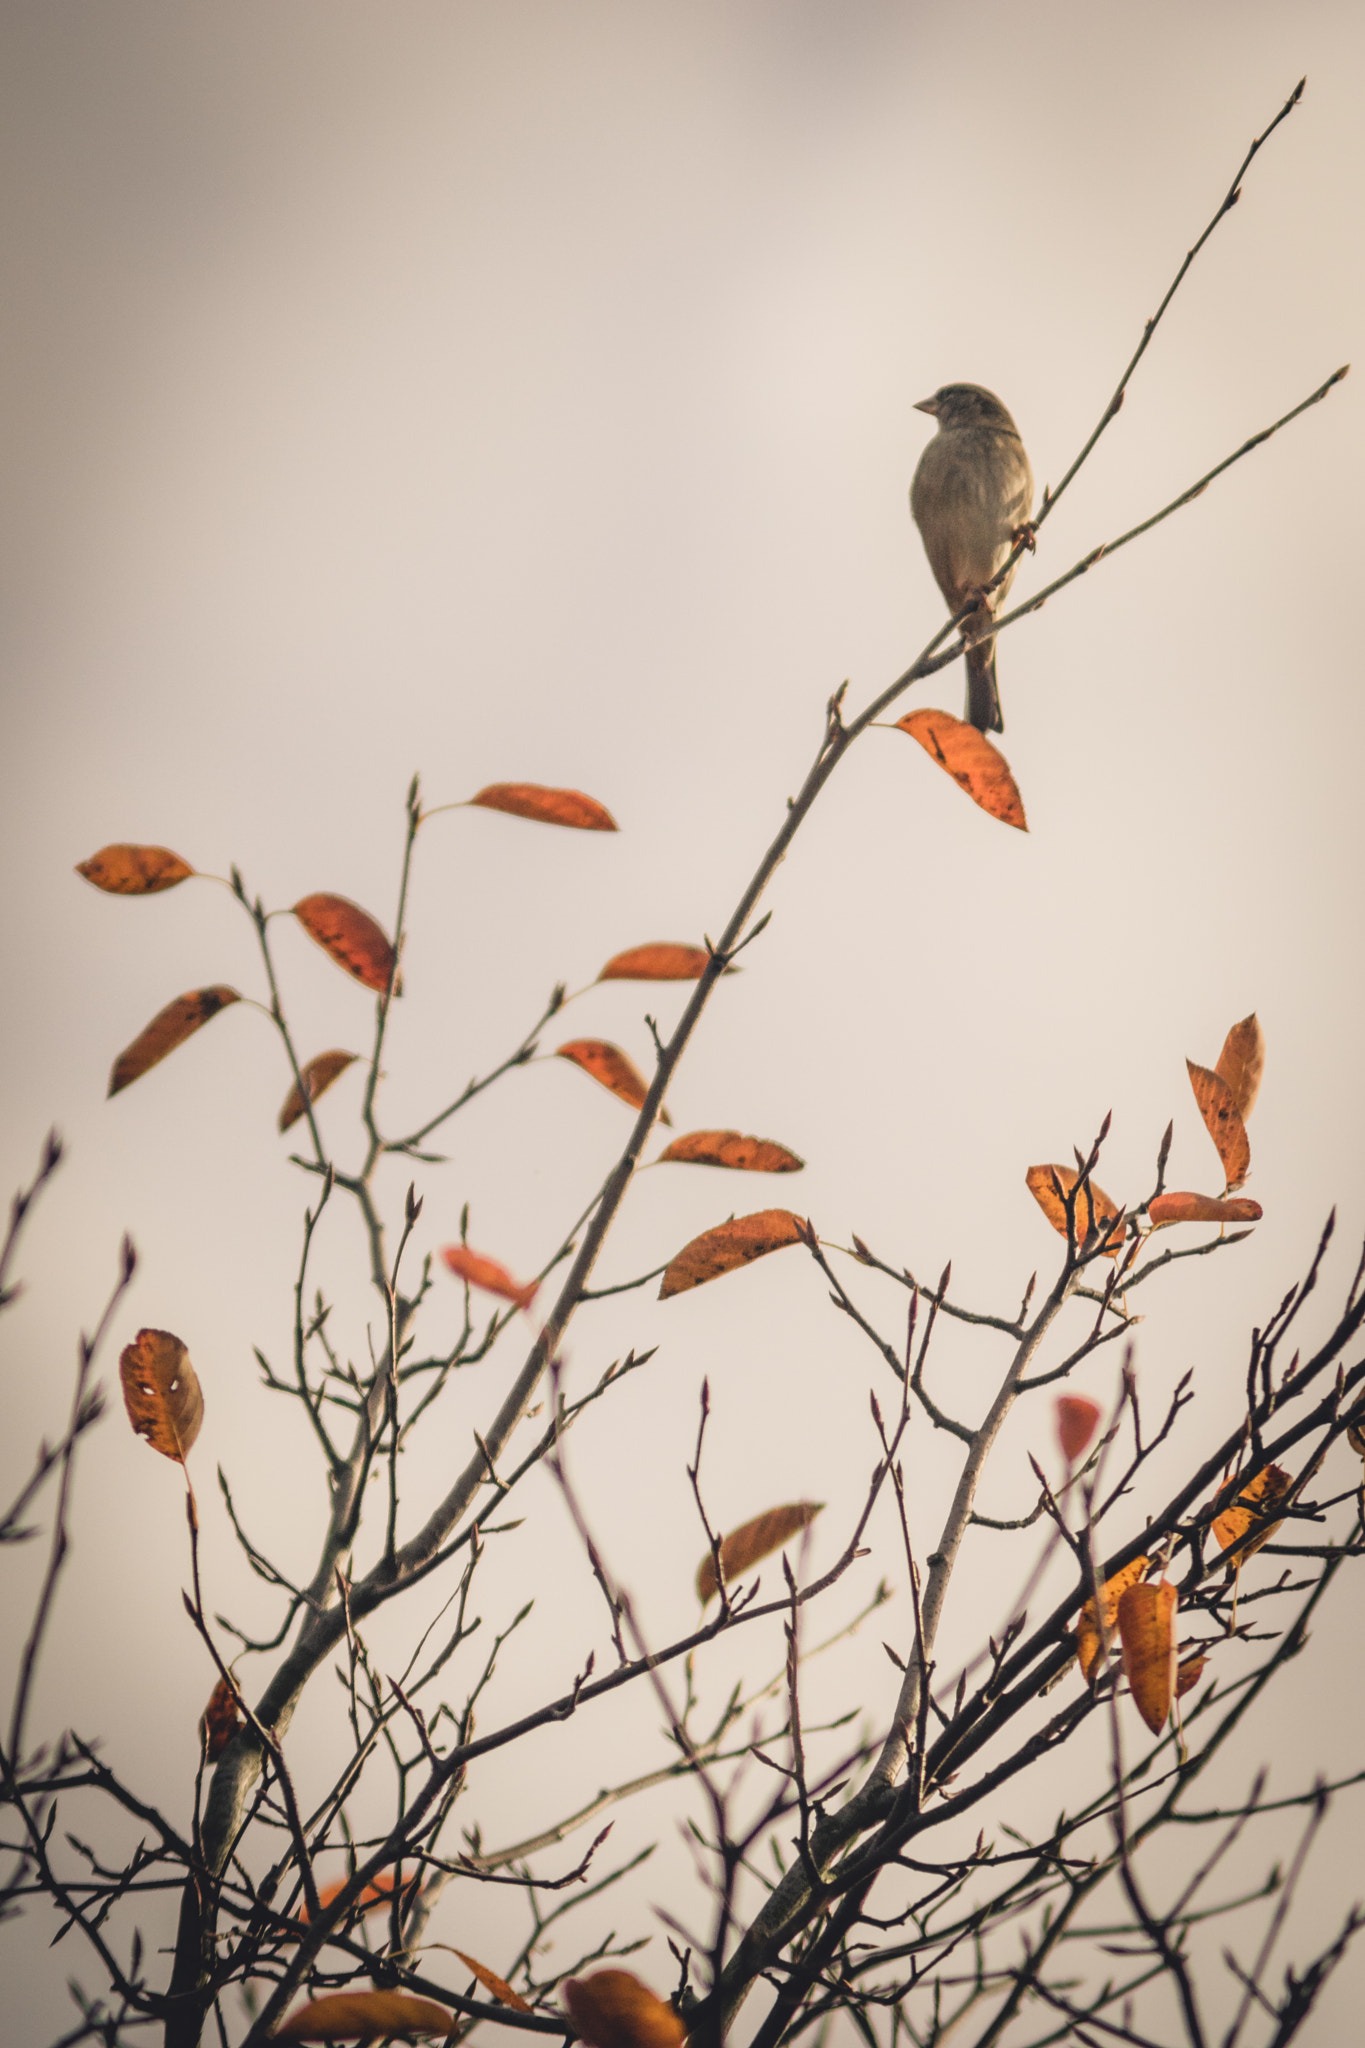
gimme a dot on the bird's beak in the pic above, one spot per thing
(929, 405)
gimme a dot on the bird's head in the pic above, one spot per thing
(966, 405)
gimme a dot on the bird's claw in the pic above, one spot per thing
(1028, 534)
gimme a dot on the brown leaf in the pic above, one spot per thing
(1147, 1632)
(1355, 1437)
(547, 806)
(161, 1392)
(220, 1719)
(1077, 1420)
(379, 1892)
(1189, 1673)
(1053, 1206)
(1257, 1500)
(364, 2016)
(487, 1273)
(732, 1149)
(491, 1981)
(613, 2009)
(134, 870)
(1185, 1208)
(1242, 1062)
(974, 764)
(609, 1065)
(660, 962)
(168, 1029)
(1220, 1113)
(754, 1540)
(351, 936)
(317, 1077)
(1089, 1635)
(732, 1244)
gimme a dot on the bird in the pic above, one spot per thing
(971, 496)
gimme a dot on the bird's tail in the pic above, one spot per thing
(983, 699)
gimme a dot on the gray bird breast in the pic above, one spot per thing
(972, 489)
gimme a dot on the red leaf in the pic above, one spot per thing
(659, 962)
(317, 1076)
(1077, 1420)
(736, 1243)
(609, 1066)
(161, 1392)
(351, 936)
(220, 1721)
(1185, 1208)
(732, 1149)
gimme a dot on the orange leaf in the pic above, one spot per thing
(491, 1981)
(1242, 1062)
(134, 870)
(1261, 1496)
(974, 764)
(609, 1065)
(547, 806)
(364, 2016)
(220, 1720)
(1053, 1206)
(661, 962)
(1147, 1632)
(317, 1076)
(613, 2009)
(379, 1892)
(161, 1392)
(487, 1273)
(1184, 1208)
(732, 1149)
(732, 1244)
(351, 936)
(168, 1029)
(1219, 1110)
(1088, 1632)
(1077, 1420)
(1189, 1674)
(754, 1540)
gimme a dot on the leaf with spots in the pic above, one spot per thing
(351, 936)
(730, 1245)
(610, 1067)
(125, 870)
(168, 1029)
(1252, 1512)
(969, 757)
(733, 1150)
(161, 1392)
(1223, 1120)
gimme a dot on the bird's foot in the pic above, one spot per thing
(1028, 534)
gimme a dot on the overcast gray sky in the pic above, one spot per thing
(526, 392)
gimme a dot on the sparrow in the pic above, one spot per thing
(972, 492)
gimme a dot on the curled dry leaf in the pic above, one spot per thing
(974, 764)
(1043, 1188)
(661, 962)
(364, 2016)
(1078, 1418)
(219, 1721)
(161, 1393)
(732, 1149)
(1242, 1062)
(168, 1029)
(754, 1540)
(1147, 1632)
(613, 2009)
(1090, 1632)
(1224, 1123)
(317, 1077)
(547, 806)
(1189, 1673)
(134, 870)
(1186, 1208)
(1252, 1509)
(609, 1065)
(487, 1273)
(491, 1981)
(736, 1243)
(351, 936)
